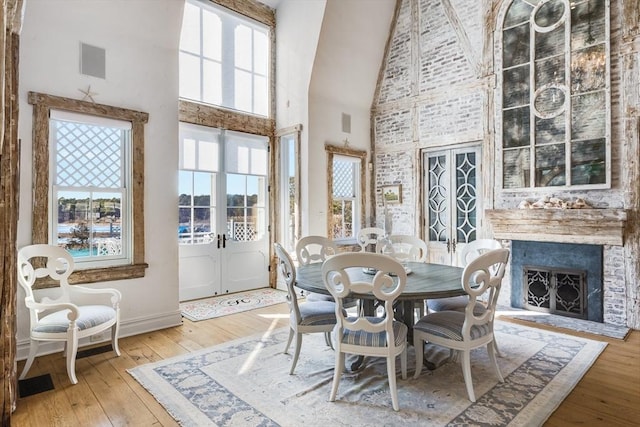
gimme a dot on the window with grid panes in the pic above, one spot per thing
(90, 175)
(345, 197)
(555, 94)
(224, 59)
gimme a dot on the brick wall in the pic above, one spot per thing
(435, 94)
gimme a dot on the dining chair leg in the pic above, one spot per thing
(492, 356)
(291, 333)
(297, 353)
(33, 350)
(418, 344)
(466, 373)
(403, 363)
(337, 374)
(391, 373)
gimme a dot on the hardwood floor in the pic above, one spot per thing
(106, 395)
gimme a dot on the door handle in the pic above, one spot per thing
(448, 246)
(224, 241)
(453, 245)
(218, 241)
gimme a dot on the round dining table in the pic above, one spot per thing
(424, 281)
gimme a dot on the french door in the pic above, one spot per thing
(452, 212)
(223, 223)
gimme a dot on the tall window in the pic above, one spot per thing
(289, 191)
(346, 192)
(555, 94)
(90, 186)
(224, 59)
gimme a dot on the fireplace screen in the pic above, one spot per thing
(556, 291)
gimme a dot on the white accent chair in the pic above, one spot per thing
(379, 336)
(404, 248)
(465, 331)
(370, 236)
(471, 251)
(307, 317)
(78, 312)
(312, 249)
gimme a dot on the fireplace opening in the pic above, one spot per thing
(556, 291)
(559, 278)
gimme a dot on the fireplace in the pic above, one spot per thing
(560, 278)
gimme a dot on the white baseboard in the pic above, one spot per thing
(128, 328)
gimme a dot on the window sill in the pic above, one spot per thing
(93, 275)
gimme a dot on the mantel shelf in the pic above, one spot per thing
(586, 226)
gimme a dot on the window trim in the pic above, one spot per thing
(42, 106)
(333, 150)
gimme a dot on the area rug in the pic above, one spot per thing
(246, 383)
(223, 305)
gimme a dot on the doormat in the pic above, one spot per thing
(246, 382)
(223, 305)
(35, 385)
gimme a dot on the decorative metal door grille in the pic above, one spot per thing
(462, 187)
(555, 291)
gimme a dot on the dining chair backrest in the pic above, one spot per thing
(385, 286)
(474, 249)
(482, 277)
(370, 236)
(315, 249)
(403, 247)
(288, 273)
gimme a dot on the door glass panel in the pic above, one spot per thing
(246, 222)
(438, 199)
(466, 197)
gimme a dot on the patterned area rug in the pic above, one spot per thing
(246, 383)
(231, 303)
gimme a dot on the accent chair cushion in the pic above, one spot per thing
(89, 316)
(454, 304)
(318, 313)
(448, 324)
(375, 339)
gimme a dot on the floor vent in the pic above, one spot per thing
(35, 385)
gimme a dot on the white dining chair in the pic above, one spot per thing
(310, 249)
(465, 331)
(405, 248)
(307, 317)
(471, 251)
(380, 336)
(77, 312)
(370, 236)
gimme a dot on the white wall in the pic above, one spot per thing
(141, 42)
(298, 26)
(345, 72)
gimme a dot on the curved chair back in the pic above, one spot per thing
(483, 276)
(403, 248)
(361, 334)
(370, 236)
(385, 285)
(288, 272)
(315, 249)
(474, 249)
(57, 264)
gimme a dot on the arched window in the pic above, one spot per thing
(555, 94)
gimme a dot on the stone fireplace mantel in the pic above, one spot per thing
(586, 226)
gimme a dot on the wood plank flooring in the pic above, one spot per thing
(106, 395)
